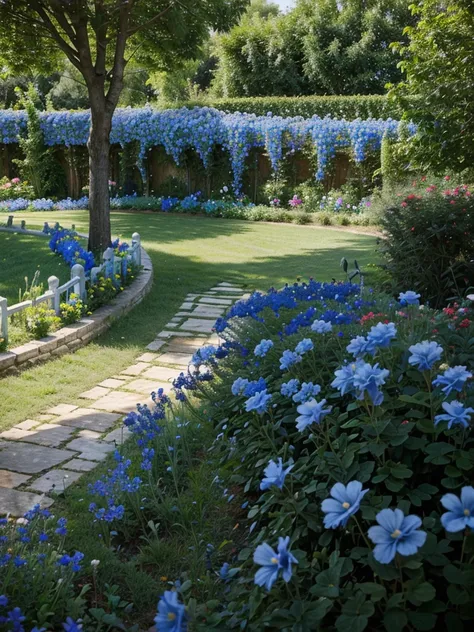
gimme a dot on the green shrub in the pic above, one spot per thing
(429, 242)
(385, 434)
(325, 219)
(100, 293)
(72, 310)
(40, 320)
(349, 107)
(303, 218)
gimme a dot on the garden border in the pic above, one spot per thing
(72, 337)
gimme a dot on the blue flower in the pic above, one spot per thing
(263, 348)
(460, 514)
(275, 474)
(311, 412)
(345, 501)
(288, 388)
(19, 561)
(369, 378)
(397, 533)
(306, 392)
(72, 626)
(3, 601)
(272, 562)
(259, 402)
(344, 381)
(455, 414)
(409, 298)
(453, 379)
(252, 388)
(171, 614)
(425, 354)
(304, 345)
(321, 327)
(239, 385)
(288, 359)
(382, 334)
(203, 354)
(61, 527)
(360, 346)
(43, 537)
(224, 571)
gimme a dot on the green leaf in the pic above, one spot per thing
(422, 592)
(422, 620)
(351, 623)
(395, 620)
(376, 591)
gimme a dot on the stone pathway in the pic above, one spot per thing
(41, 457)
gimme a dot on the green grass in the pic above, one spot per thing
(21, 256)
(189, 254)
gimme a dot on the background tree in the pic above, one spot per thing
(99, 38)
(438, 92)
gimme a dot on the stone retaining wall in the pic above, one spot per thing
(77, 335)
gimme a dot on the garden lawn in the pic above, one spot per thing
(21, 256)
(189, 254)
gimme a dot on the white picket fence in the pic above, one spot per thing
(57, 294)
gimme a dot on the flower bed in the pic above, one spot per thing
(346, 423)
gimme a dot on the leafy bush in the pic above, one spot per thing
(72, 310)
(36, 571)
(430, 240)
(101, 292)
(358, 106)
(15, 188)
(40, 320)
(333, 412)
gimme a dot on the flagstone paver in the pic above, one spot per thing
(89, 418)
(120, 402)
(80, 465)
(55, 480)
(145, 387)
(52, 452)
(198, 324)
(61, 409)
(18, 503)
(28, 458)
(12, 479)
(112, 383)
(95, 393)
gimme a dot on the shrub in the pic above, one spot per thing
(101, 292)
(36, 571)
(429, 242)
(334, 412)
(40, 320)
(72, 310)
(363, 106)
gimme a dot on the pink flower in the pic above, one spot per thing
(16, 181)
(112, 183)
(295, 201)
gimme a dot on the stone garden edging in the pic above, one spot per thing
(72, 337)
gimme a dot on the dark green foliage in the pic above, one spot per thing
(437, 93)
(349, 107)
(395, 450)
(39, 166)
(320, 47)
(429, 242)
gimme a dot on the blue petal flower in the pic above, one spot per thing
(425, 354)
(460, 514)
(455, 414)
(272, 562)
(345, 501)
(397, 533)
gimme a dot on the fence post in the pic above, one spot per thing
(53, 285)
(77, 270)
(46, 228)
(136, 239)
(109, 263)
(10, 221)
(3, 318)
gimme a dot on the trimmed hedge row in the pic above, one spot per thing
(348, 107)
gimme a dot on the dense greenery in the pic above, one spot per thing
(429, 241)
(318, 48)
(350, 107)
(437, 92)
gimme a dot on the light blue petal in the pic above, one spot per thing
(379, 535)
(467, 497)
(452, 503)
(384, 553)
(452, 522)
(266, 576)
(263, 554)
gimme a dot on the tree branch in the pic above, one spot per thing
(151, 21)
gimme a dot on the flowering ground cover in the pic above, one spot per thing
(316, 470)
(188, 254)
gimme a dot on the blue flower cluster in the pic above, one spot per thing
(66, 243)
(14, 620)
(202, 129)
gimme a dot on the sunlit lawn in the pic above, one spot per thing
(189, 254)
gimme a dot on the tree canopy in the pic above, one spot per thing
(437, 93)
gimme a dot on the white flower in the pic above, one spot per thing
(95, 563)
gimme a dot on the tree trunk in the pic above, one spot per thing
(99, 165)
